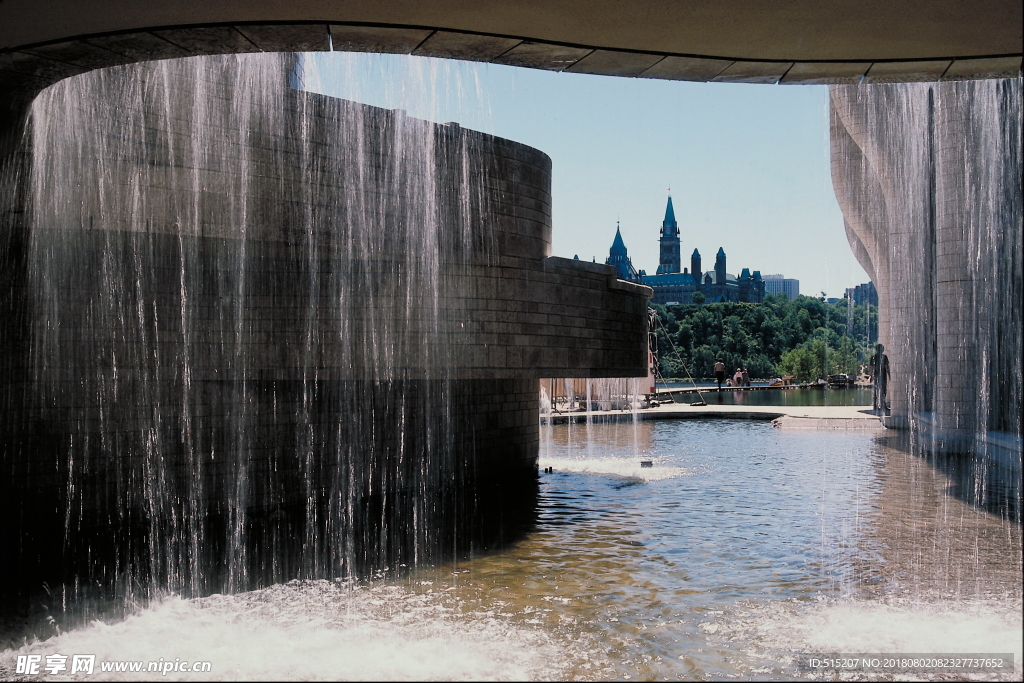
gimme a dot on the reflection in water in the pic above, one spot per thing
(977, 481)
(935, 537)
(742, 546)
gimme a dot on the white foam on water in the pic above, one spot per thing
(849, 626)
(616, 467)
(315, 630)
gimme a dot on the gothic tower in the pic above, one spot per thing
(670, 260)
(617, 256)
(720, 267)
(695, 265)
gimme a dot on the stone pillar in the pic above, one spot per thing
(978, 260)
(928, 179)
(260, 383)
(957, 350)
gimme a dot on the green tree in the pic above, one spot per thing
(805, 362)
(759, 336)
(845, 358)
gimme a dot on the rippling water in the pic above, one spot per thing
(851, 396)
(739, 548)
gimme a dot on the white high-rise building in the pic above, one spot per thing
(780, 284)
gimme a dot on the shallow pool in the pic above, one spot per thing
(740, 550)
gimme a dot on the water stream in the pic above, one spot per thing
(236, 364)
(928, 178)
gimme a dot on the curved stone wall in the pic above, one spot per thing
(254, 333)
(928, 179)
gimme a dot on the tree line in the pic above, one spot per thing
(807, 337)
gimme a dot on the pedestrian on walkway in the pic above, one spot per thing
(880, 373)
(720, 373)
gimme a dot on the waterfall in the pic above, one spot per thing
(243, 303)
(928, 178)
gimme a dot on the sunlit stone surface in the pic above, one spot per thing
(928, 178)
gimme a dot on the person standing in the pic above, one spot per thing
(719, 373)
(880, 374)
(746, 378)
(883, 374)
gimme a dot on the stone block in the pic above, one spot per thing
(986, 67)
(141, 46)
(497, 357)
(615, 63)
(686, 69)
(78, 53)
(451, 45)
(542, 56)
(287, 37)
(376, 39)
(753, 72)
(38, 66)
(905, 72)
(825, 72)
(209, 40)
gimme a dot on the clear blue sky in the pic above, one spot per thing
(748, 165)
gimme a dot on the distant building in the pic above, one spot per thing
(863, 294)
(859, 322)
(617, 257)
(670, 261)
(672, 286)
(779, 284)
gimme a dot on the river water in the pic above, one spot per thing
(851, 396)
(740, 548)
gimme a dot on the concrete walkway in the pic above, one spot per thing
(786, 417)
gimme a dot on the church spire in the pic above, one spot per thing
(618, 258)
(670, 216)
(670, 262)
(618, 246)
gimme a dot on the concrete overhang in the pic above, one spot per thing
(770, 41)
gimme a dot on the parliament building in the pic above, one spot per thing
(673, 284)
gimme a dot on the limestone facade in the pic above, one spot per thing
(928, 178)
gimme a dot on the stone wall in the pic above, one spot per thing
(260, 334)
(477, 296)
(928, 178)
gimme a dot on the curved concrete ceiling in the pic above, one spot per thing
(765, 41)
